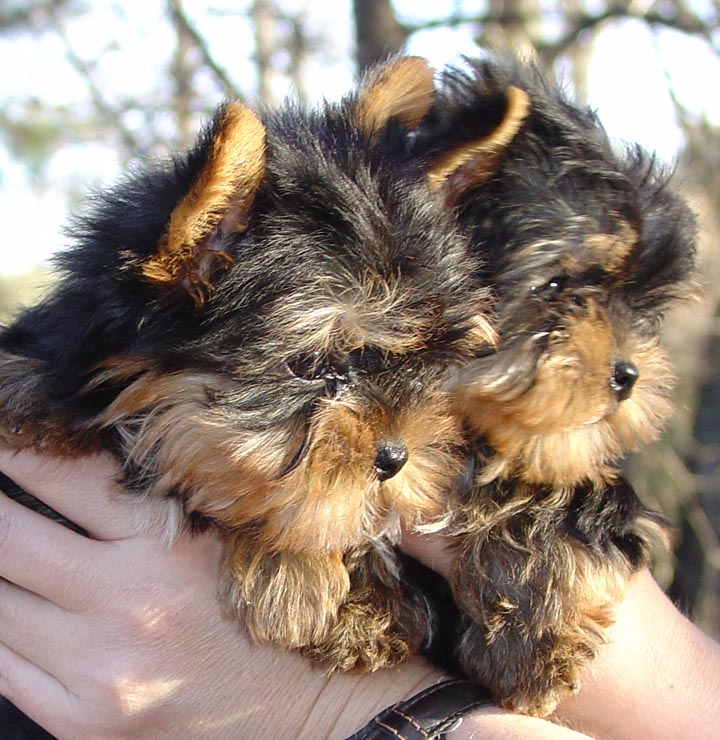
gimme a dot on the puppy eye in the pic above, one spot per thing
(310, 366)
(554, 286)
(551, 289)
(368, 360)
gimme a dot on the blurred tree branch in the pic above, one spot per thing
(35, 17)
(575, 21)
(108, 113)
(186, 28)
(378, 33)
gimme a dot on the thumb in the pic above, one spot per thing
(433, 550)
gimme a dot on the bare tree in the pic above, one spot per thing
(378, 32)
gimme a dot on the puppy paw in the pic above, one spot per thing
(287, 599)
(362, 639)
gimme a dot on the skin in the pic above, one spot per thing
(658, 676)
(121, 636)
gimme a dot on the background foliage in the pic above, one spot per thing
(137, 84)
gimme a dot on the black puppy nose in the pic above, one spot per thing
(391, 455)
(622, 380)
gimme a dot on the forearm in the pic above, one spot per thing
(658, 677)
(347, 702)
(499, 725)
(282, 696)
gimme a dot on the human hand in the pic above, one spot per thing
(658, 676)
(121, 636)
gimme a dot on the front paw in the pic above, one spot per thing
(286, 599)
(528, 672)
(363, 638)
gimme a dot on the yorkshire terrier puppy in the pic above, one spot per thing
(584, 248)
(260, 331)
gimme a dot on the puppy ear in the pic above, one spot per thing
(402, 89)
(473, 162)
(217, 205)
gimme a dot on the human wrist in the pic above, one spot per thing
(499, 724)
(349, 702)
(658, 676)
(458, 710)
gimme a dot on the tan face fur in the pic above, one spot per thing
(570, 424)
(592, 385)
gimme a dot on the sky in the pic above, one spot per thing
(628, 76)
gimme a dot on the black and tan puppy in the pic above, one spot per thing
(260, 331)
(584, 248)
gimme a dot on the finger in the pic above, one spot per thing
(33, 691)
(432, 550)
(44, 557)
(36, 629)
(85, 490)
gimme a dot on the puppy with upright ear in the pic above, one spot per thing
(261, 331)
(584, 248)
(215, 208)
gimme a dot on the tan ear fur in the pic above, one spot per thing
(402, 89)
(474, 162)
(219, 200)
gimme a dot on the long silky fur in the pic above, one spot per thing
(248, 328)
(585, 248)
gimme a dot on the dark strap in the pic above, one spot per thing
(427, 715)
